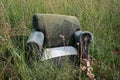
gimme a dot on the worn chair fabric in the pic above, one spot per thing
(54, 25)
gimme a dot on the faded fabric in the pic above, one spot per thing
(54, 25)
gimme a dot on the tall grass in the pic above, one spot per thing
(101, 17)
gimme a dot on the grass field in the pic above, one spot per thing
(101, 17)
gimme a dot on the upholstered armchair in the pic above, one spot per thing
(56, 36)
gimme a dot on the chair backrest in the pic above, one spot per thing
(54, 25)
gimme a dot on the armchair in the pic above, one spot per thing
(57, 36)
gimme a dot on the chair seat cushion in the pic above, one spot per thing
(50, 53)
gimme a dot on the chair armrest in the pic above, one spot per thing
(79, 35)
(83, 38)
(37, 38)
(33, 47)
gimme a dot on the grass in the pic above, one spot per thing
(101, 17)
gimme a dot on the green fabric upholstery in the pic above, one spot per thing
(54, 25)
